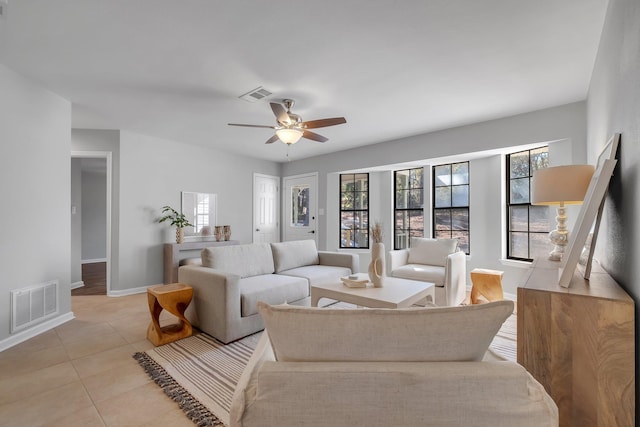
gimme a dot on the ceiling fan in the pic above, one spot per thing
(290, 127)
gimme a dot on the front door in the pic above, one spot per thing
(299, 204)
(266, 227)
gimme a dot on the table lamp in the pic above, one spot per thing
(560, 185)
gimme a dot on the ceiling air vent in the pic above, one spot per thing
(255, 95)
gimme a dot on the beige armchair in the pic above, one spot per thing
(438, 261)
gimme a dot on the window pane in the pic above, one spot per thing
(519, 190)
(361, 219)
(519, 218)
(346, 200)
(443, 234)
(460, 219)
(539, 158)
(346, 183)
(361, 200)
(300, 206)
(443, 219)
(402, 220)
(519, 245)
(463, 240)
(346, 220)
(362, 238)
(460, 195)
(443, 197)
(539, 219)
(362, 182)
(402, 180)
(442, 175)
(346, 239)
(402, 199)
(417, 233)
(416, 219)
(416, 178)
(519, 165)
(540, 245)
(415, 198)
(460, 173)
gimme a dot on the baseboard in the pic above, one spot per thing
(35, 331)
(125, 292)
(93, 261)
(77, 285)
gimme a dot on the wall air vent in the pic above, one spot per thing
(33, 304)
(255, 95)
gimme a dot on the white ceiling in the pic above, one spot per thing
(175, 69)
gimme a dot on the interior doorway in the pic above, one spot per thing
(91, 197)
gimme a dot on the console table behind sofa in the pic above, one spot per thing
(175, 252)
(579, 343)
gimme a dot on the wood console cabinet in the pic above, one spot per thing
(175, 252)
(579, 343)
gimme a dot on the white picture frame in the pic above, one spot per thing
(590, 206)
(608, 152)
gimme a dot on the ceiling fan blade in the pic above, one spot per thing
(273, 139)
(314, 136)
(280, 112)
(251, 126)
(312, 124)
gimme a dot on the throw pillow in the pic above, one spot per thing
(294, 254)
(383, 335)
(431, 251)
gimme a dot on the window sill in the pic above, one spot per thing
(515, 263)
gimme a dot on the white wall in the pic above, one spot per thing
(35, 176)
(94, 215)
(563, 127)
(153, 173)
(613, 106)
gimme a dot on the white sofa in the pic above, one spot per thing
(232, 279)
(438, 261)
(377, 367)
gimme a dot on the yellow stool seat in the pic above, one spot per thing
(486, 283)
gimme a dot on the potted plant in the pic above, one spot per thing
(177, 219)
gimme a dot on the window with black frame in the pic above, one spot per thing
(354, 210)
(408, 206)
(451, 203)
(527, 225)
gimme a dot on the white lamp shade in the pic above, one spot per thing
(560, 184)
(289, 135)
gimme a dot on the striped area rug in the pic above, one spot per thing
(201, 374)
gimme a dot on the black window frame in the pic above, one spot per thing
(363, 230)
(435, 210)
(529, 206)
(408, 230)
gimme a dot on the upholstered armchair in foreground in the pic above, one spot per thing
(438, 261)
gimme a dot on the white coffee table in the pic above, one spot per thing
(396, 293)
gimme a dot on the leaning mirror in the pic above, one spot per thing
(200, 210)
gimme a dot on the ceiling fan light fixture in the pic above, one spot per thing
(289, 135)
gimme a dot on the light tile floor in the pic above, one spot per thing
(82, 373)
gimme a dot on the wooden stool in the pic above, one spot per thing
(174, 298)
(487, 283)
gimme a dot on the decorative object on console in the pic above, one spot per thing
(205, 231)
(177, 219)
(227, 232)
(560, 185)
(376, 266)
(219, 233)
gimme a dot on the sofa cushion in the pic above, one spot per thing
(460, 333)
(318, 273)
(270, 288)
(431, 251)
(243, 260)
(422, 272)
(293, 254)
